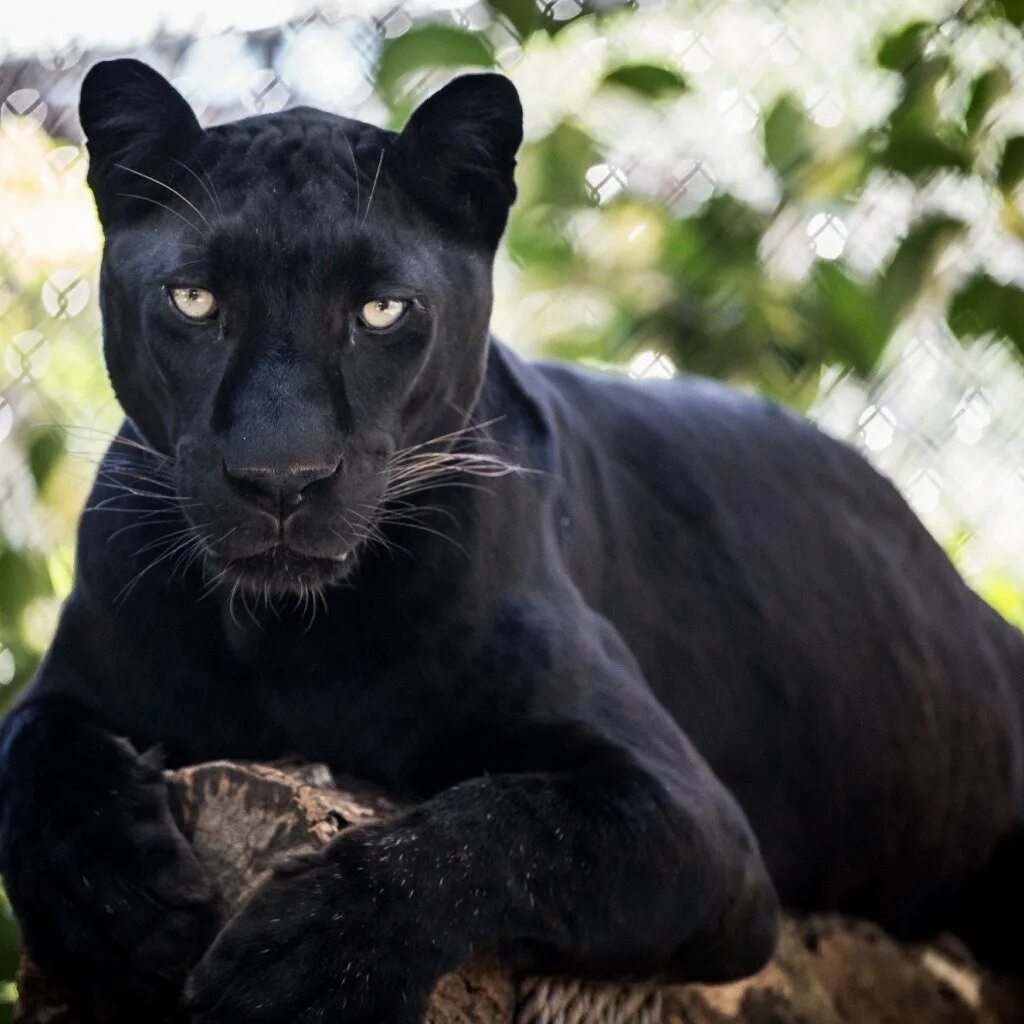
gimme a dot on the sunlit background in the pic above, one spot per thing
(817, 200)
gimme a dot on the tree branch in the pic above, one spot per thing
(243, 819)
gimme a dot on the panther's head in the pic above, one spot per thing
(294, 301)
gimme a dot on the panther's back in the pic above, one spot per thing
(801, 624)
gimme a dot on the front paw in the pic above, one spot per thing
(115, 902)
(323, 941)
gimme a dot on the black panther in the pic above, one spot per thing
(650, 658)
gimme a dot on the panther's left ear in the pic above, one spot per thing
(457, 154)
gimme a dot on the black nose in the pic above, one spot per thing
(278, 488)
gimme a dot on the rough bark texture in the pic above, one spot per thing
(242, 819)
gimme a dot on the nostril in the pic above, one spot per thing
(250, 483)
(301, 480)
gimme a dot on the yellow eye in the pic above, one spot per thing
(382, 313)
(194, 303)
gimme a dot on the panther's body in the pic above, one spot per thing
(649, 652)
(801, 625)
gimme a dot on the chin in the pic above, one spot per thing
(283, 571)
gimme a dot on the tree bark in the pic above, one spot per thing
(242, 819)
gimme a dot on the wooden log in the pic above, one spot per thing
(242, 819)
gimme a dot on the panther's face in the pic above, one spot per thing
(293, 302)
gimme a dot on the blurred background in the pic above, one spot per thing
(822, 201)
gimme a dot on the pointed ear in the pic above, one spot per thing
(457, 154)
(132, 118)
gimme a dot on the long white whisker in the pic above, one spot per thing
(473, 428)
(355, 170)
(163, 206)
(167, 521)
(71, 429)
(125, 592)
(373, 187)
(173, 191)
(202, 185)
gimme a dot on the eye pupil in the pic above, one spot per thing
(193, 302)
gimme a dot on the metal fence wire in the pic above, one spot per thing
(943, 418)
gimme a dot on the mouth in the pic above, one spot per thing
(282, 569)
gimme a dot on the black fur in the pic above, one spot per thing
(631, 628)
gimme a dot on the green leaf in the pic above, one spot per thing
(536, 239)
(1013, 11)
(553, 169)
(430, 46)
(986, 90)
(904, 48)
(1011, 168)
(919, 140)
(44, 452)
(718, 246)
(984, 306)
(652, 81)
(855, 329)
(729, 225)
(525, 16)
(786, 144)
(912, 267)
(23, 577)
(920, 155)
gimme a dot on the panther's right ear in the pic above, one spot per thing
(457, 154)
(136, 126)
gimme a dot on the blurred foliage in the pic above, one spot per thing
(670, 269)
(708, 296)
(721, 308)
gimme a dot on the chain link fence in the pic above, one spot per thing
(694, 171)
